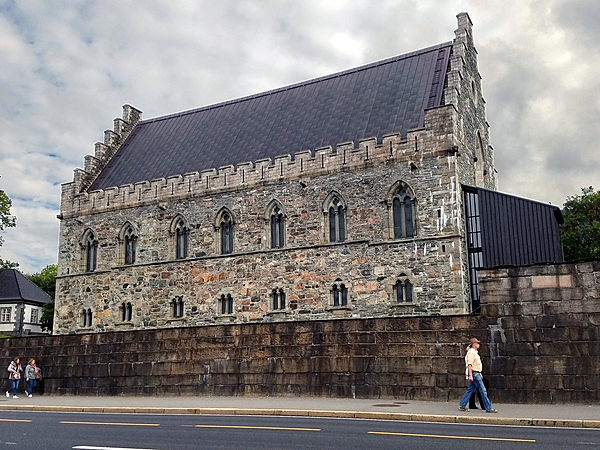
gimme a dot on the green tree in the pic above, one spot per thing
(46, 281)
(581, 231)
(6, 221)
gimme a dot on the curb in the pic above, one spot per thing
(408, 417)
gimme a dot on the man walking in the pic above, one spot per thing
(473, 372)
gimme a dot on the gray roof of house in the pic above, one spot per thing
(385, 97)
(14, 286)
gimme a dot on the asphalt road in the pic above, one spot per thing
(87, 431)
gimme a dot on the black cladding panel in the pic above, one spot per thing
(517, 231)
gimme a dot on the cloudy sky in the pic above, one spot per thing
(67, 67)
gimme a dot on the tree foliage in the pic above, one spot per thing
(581, 231)
(46, 281)
(6, 221)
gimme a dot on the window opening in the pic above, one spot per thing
(474, 245)
(340, 295)
(337, 221)
(129, 244)
(404, 290)
(226, 304)
(278, 297)
(86, 317)
(177, 307)
(403, 215)
(34, 315)
(277, 228)
(5, 314)
(226, 234)
(181, 240)
(91, 251)
(127, 311)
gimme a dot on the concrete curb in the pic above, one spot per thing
(409, 417)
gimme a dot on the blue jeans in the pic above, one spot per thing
(476, 384)
(14, 385)
(30, 386)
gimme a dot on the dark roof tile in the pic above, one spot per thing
(378, 99)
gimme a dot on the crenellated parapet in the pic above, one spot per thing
(103, 151)
(304, 165)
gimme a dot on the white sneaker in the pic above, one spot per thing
(29, 395)
(7, 394)
(14, 396)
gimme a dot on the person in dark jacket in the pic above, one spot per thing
(32, 375)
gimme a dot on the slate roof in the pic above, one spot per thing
(374, 100)
(14, 286)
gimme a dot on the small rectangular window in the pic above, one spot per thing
(5, 314)
(34, 315)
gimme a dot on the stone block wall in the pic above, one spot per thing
(539, 327)
(544, 330)
(420, 358)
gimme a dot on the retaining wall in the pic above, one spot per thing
(539, 325)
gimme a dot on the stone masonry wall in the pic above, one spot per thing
(369, 262)
(539, 327)
(544, 331)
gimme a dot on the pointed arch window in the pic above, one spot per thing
(277, 224)
(278, 298)
(177, 307)
(90, 244)
(226, 232)
(337, 220)
(403, 214)
(339, 293)
(180, 232)
(128, 242)
(126, 312)
(403, 289)
(226, 304)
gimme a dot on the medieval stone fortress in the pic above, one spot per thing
(339, 197)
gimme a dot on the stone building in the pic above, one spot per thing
(337, 197)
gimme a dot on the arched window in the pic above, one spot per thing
(226, 233)
(177, 307)
(277, 223)
(180, 232)
(278, 297)
(339, 293)
(337, 220)
(86, 318)
(127, 312)
(128, 240)
(90, 244)
(226, 304)
(403, 289)
(403, 208)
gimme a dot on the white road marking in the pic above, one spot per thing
(88, 447)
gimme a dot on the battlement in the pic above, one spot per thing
(103, 151)
(304, 165)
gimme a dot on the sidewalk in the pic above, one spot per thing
(578, 416)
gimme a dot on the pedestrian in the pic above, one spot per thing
(14, 375)
(32, 375)
(476, 393)
(473, 374)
